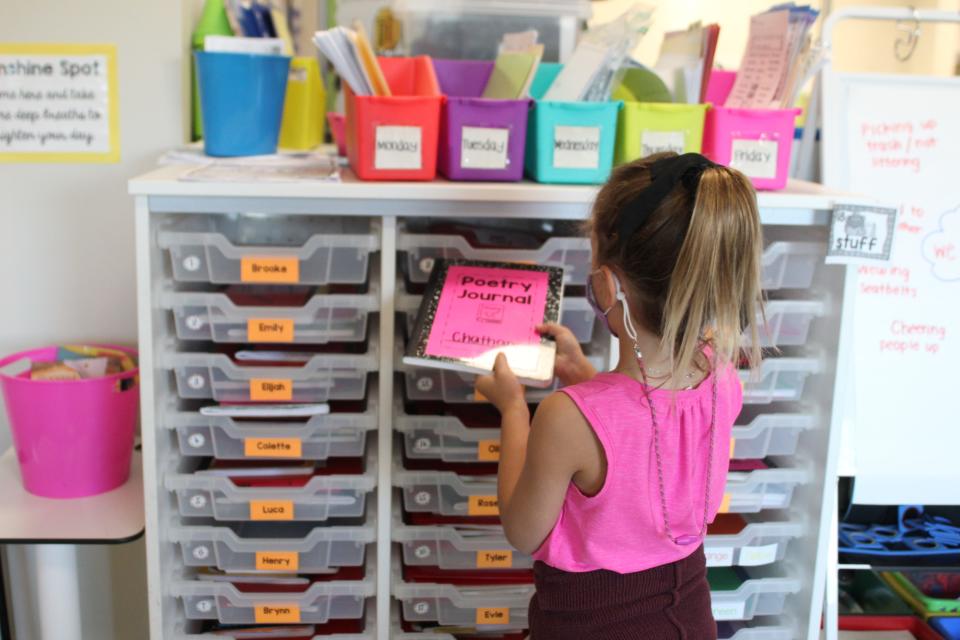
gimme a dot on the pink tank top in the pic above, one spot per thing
(621, 528)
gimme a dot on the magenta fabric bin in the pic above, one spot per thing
(480, 138)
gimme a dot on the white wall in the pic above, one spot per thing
(66, 236)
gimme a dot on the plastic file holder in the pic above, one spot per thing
(761, 542)
(334, 435)
(272, 546)
(275, 250)
(755, 597)
(788, 322)
(321, 498)
(646, 128)
(326, 376)
(395, 137)
(755, 141)
(770, 434)
(780, 380)
(323, 601)
(575, 314)
(571, 253)
(480, 138)
(325, 318)
(762, 489)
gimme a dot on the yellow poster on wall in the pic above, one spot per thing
(59, 103)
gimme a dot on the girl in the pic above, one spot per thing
(612, 486)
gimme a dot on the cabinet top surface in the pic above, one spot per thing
(165, 181)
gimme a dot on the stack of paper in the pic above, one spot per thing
(349, 51)
(513, 73)
(779, 58)
(590, 72)
(685, 61)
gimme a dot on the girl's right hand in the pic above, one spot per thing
(571, 365)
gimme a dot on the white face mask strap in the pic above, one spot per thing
(627, 321)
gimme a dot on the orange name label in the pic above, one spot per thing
(278, 561)
(495, 559)
(276, 613)
(271, 390)
(488, 450)
(493, 615)
(271, 510)
(270, 270)
(272, 447)
(733, 446)
(270, 330)
(483, 506)
(725, 503)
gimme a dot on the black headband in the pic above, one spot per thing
(664, 176)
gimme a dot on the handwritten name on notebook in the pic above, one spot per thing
(483, 307)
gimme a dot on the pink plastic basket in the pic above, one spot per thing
(73, 438)
(755, 141)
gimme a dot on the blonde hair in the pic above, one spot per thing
(693, 268)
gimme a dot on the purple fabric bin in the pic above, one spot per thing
(480, 138)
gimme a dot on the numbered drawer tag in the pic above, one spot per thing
(267, 270)
(493, 615)
(282, 613)
(483, 506)
(660, 141)
(755, 158)
(484, 148)
(271, 510)
(495, 559)
(488, 451)
(398, 148)
(277, 561)
(270, 330)
(272, 447)
(576, 147)
(271, 390)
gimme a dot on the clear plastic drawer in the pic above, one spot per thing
(321, 602)
(791, 265)
(759, 543)
(447, 493)
(575, 314)
(445, 438)
(321, 498)
(486, 608)
(769, 434)
(788, 322)
(754, 491)
(270, 249)
(325, 376)
(422, 383)
(755, 597)
(737, 630)
(778, 380)
(453, 547)
(335, 435)
(272, 547)
(324, 318)
(422, 250)
(369, 632)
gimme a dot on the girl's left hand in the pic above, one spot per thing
(502, 387)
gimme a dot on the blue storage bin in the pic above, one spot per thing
(949, 628)
(241, 99)
(569, 142)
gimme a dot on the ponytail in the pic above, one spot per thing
(715, 294)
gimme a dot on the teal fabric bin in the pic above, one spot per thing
(569, 142)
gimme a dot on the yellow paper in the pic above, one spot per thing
(59, 103)
(369, 61)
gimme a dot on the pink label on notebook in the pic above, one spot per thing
(484, 308)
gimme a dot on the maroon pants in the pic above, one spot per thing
(670, 602)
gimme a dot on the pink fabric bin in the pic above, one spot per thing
(73, 438)
(754, 141)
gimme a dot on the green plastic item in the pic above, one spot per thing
(640, 84)
(213, 22)
(646, 128)
(725, 578)
(921, 602)
(875, 597)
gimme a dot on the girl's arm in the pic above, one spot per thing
(537, 462)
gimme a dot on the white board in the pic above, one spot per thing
(897, 139)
